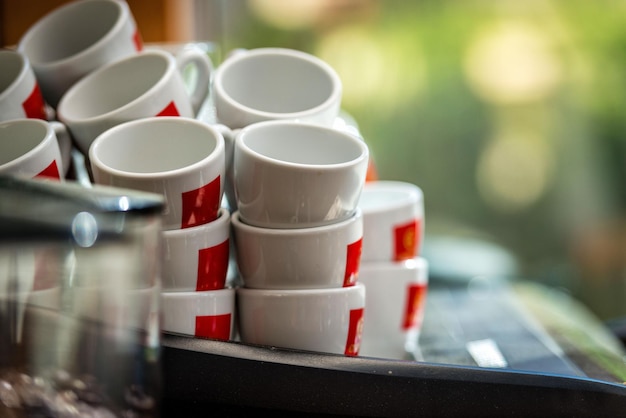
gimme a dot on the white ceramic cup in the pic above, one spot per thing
(393, 220)
(323, 320)
(179, 158)
(142, 85)
(207, 314)
(75, 39)
(20, 95)
(30, 148)
(297, 175)
(396, 300)
(196, 258)
(306, 258)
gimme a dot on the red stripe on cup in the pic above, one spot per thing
(169, 110)
(212, 267)
(213, 326)
(34, 106)
(137, 41)
(353, 261)
(405, 240)
(200, 206)
(52, 171)
(415, 304)
(355, 329)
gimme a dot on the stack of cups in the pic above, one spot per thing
(395, 276)
(183, 160)
(298, 236)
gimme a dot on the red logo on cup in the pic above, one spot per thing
(137, 40)
(415, 301)
(52, 171)
(34, 106)
(169, 110)
(406, 237)
(355, 329)
(200, 206)
(212, 267)
(353, 260)
(213, 326)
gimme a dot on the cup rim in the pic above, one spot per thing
(238, 223)
(19, 76)
(230, 61)
(223, 216)
(183, 296)
(76, 88)
(300, 293)
(414, 195)
(358, 142)
(94, 158)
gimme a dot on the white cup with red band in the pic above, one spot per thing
(319, 257)
(196, 258)
(323, 320)
(143, 85)
(207, 314)
(30, 148)
(75, 39)
(396, 301)
(290, 174)
(20, 95)
(393, 220)
(179, 158)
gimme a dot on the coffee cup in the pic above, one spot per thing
(322, 320)
(393, 220)
(396, 301)
(196, 258)
(179, 158)
(30, 148)
(207, 314)
(297, 175)
(143, 85)
(76, 38)
(20, 95)
(299, 258)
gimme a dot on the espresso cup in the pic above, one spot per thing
(297, 175)
(396, 301)
(207, 314)
(143, 85)
(196, 258)
(304, 258)
(77, 38)
(322, 320)
(179, 158)
(393, 220)
(20, 95)
(30, 148)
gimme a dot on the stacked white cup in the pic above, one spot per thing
(394, 274)
(183, 160)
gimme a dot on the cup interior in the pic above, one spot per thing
(70, 29)
(112, 87)
(19, 137)
(296, 143)
(12, 64)
(277, 83)
(154, 145)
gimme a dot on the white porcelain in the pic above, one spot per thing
(296, 175)
(305, 258)
(196, 258)
(76, 38)
(30, 148)
(20, 95)
(396, 301)
(323, 320)
(208, 314)
(179, 158)
(143, 85)
(393, 220)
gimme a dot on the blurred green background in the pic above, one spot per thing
(510, 115)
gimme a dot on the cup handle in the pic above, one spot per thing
(229, 151)
(65, 144)
(203, 66)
